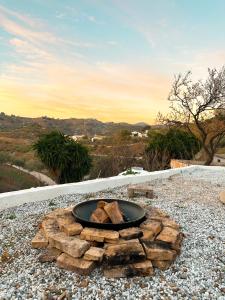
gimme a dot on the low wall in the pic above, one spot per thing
(11, 199)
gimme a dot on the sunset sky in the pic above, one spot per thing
(113, 60)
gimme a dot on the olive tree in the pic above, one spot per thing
(199, 106)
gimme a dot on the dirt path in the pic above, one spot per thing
(41, 177)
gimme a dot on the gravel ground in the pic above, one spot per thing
(198, 273)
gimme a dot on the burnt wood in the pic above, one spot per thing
(133, 214)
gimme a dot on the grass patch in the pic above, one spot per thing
(11, 217)
(12, 179)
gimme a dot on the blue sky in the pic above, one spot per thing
(111, 60)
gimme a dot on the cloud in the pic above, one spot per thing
(46, 82)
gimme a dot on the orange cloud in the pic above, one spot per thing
(43, 83)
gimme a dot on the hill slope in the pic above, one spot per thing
(68, 126)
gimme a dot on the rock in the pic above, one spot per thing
(168, 235)
(170, 223)
(124, 253)
(183, 275)
(79, 265)
(39, 241)
(94, 253)
(113, 211)
(162, 264)
(70, 245)
(148, 235)
(177, 245)
(143, 189)
(65, 219)
(130, 233)
(98, 235)
(156, 213)
(72, 229)
(49, 227)
(120, 241)
(154, 226)
(84, 283)
(158, 253)
(49, 255)
(137, 269)
(99, 216)
(222, 197)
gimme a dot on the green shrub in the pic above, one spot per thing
(4, 157)
(66, 159)
(173, 144)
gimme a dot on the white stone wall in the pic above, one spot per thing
(11, 199)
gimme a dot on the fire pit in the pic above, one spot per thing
(133, 214)
(144, 239)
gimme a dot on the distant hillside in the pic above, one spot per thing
(67, 126)
(12, 179)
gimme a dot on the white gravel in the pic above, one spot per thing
(199, 272)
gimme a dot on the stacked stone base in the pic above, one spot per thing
(134, 251)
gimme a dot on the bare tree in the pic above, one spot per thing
(200, 107)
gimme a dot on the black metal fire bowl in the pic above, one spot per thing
(133, 214)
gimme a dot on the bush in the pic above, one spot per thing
(19, 162)
(174, 144)
(4, 157)
(66, 159)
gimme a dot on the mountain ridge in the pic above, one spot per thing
(70, 126)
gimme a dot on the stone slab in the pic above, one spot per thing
(72, 229)
(99, 235)
(162, 264)
(124, 253)
(70, 245)
(144, 268)
(141, 188)
(49, 227)
(95, 254)
(78, 265)
(121, 241)
(39, 241)
(49, 255)
(168, 235)
(222, 197)
(154, 226)
(170, 223)
(158, 253)
(130, 233)
(147, 236)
